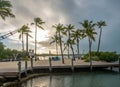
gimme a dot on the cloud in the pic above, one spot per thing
(67, 11)
(46, 44)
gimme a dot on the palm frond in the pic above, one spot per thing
(5, 9)
(32, 23)
(29, 35)
(40, 27)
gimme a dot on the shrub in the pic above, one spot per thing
(103, 56)
(87, 60)
(95, 58)
(108, 56)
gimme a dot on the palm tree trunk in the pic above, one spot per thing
(99, 40)
(72, 52)
(56, 49)
(61, 48)
(27, 42)
(22, 43)
(68, 44)
(22, 46)
(27, 54)
(35, 41)
(56, 45)
(90, 44)
(68, 51)
(78, 48)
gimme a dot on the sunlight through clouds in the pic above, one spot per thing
(65, 12)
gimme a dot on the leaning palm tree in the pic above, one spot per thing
(24, 30)
(100, 24)
(68, 29)
(37, 22)
(70, 42)
(5, 9)
(78, 35)
(89, 31)
(59, 29)
(55, 39)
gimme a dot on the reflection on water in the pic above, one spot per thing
(83, 79)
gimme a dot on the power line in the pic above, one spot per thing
(8, 34)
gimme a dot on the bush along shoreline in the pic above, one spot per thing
(102, 56)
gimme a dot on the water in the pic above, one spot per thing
(82, 79)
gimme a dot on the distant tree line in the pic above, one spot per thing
(8, 54)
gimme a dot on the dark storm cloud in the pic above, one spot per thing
(72, 11)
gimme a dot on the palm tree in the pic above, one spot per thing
(100, 24)
(5, 9)
(89, 31)
(68, 29)
(37, 22)
(71, 42)
(78, 35)
(55, 39)
(59, 29)
(24, 30)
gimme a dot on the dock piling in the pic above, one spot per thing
(111, 68)
(119, 64)
(31, 64)
(50, 62)
(26, 65)
(91, 66)
(72, 65)
(19, 70)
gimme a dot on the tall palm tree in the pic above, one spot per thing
(37, 22)
(59, 29)
(71, 42)
(78, 35)
(55, 39)
(24, 30)
(89, 31)
(100, 24)
(68, 29)
(5, 9)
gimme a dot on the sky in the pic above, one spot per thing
(65, 12)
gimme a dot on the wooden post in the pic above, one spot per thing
(31, 54)
(111, 68)
(50, 62)
(19, 70)
(26, 67)
(31, 64)
(91, 68)
(119, 64)
(72, 65)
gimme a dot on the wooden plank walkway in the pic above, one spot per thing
(11, 68)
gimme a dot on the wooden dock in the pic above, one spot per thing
(11, 69)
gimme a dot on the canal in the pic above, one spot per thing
(82, 79)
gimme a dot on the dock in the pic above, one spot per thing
(11, 69)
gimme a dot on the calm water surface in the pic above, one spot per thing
(83, 79)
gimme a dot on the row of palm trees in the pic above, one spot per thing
(87, 30)
(68, 31)
(74, 36)
(25, 30)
